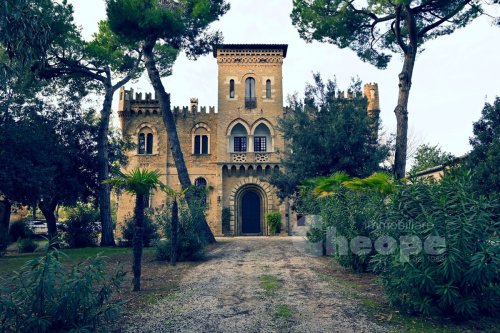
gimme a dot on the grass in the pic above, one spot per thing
(269, 283)
(283, 311)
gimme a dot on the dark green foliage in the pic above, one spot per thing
(484, 158)
(273, 220)
(45, 296)
(18, 230)
(149, 233)
(327, 133)
(26, 245)
(460, 278)
(350, 214)
(191, 243)
(226, 220)
(163, 250)
(82, 226)
(428, 156)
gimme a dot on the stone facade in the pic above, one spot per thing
(231, 151)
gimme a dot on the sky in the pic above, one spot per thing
(453, 77)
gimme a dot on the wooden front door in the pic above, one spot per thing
(250, 213)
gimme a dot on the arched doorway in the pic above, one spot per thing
(251, 213)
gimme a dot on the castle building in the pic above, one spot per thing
(231, 152)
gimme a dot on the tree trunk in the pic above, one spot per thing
(5, 207)
(48, 208)
(169, 121)
(137, 242)
(174, 226)
(401, 111)
(107, 238)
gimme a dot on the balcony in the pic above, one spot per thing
(250, 102)
(252, 157)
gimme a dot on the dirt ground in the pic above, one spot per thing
(253, 284)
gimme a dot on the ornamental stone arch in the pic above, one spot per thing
(262, 121)
(236, 122)
(267, 203)
(200, 129)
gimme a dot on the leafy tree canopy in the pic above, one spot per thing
(327, 133)
(371, 28)
(484, 158)
(428, 156)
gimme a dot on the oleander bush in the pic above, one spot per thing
(456, 271)
(26, 245)
(273, 222)
(18, 230)
(45, 296)
(149, 232)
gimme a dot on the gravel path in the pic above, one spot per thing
(255, 284)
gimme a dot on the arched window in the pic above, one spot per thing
(200, 182)
(149, 143)
(268, 88)
(250, 100)
(141, 145)
(262, 139)
(238, 138)
(201, 140)
(145, 141)
(231, 88)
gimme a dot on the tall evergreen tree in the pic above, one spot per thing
(373, 28)
(164, 28)
(326, 133)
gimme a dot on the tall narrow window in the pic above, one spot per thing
(149, 143)
(259, 144)
(268, 89)
(141, 145)
(250, 87)
(147, 200)
(231, 89)
(197, 145)
(250, 100)
(204, 144)
(240, 143)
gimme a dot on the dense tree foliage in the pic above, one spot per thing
(164, 28)
(427, 156)
(484, 159)
(327, 133)
(48, 155)
(374, 29)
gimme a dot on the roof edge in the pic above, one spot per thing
(283, 47)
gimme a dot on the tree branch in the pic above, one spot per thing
(423, 31)
(397, 30)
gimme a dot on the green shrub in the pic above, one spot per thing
(26, 245)
(150, 231)
(17, 230)
(191, 243)
(163, 250)
(459, 277)
(82, 228)
(226, 220)
(47, 297)
(273, 222)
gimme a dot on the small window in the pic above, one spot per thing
(141, 149)
(204, 144)
(240, 143)
(147, 200)
(201, 144)
(149, 143)
(268, 89)
(250, 87)
(200, 182)
(231, 89)
(259, 144)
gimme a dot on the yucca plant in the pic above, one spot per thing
(138, 182)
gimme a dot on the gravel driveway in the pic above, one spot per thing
(255, 284)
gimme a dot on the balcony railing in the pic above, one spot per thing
(250, 102)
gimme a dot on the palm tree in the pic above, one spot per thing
(139, 183)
